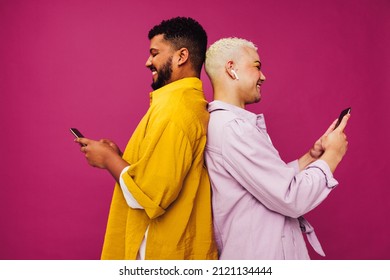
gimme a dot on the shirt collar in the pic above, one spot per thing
(257, 120)
(163, 92)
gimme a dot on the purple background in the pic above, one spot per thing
(81, 64)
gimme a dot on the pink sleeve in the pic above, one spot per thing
(253, 161)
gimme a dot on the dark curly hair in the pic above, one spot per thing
(184, 32)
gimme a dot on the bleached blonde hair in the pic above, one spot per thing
(223, 50)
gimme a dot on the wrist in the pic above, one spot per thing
(332, 158)
(115, 165)
(305, 160)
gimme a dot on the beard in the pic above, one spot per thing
(163, 75)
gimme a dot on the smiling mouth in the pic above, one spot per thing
(154, 70)
(258, 86)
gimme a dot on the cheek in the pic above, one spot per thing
(155, 62)
(252, 80)
(158, 61)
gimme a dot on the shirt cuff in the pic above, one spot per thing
(128, 196)
(320, 164)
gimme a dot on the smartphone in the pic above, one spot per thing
(342, 114)
(77, 134)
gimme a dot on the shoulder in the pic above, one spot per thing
(228, 129)
(184, 110)
(224, 122)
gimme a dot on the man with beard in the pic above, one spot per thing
(161, 206)
(258, 200)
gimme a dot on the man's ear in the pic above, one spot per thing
(229, 66)
(183, 55)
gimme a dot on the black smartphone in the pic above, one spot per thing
(342, 114)
(77, 134)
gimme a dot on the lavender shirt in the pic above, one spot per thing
(258, 200)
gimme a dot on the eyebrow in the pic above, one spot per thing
(257, 61)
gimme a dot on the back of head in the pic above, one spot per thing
(223, 50)
(183, 32)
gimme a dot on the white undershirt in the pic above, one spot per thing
(130, 200)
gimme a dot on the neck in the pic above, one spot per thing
(184, 72)
(227, 93)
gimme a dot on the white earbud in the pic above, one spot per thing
(235, 74)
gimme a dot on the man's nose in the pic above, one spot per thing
(148, 61)
(262, 77)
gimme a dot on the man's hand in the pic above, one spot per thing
(317, 150)
(335, 144)
(103, 154)
(96, 152)
(112, 145)
(330, 141)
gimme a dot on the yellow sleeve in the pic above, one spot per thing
(156, 179)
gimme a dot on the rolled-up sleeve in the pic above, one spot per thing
(156, 179)
(250, 157)
(130, 200)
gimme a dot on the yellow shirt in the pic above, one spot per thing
(168, 179)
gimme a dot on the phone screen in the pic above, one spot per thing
(76, 133)
(342, 114)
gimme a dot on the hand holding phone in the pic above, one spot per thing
(77, 134)
(342, 114)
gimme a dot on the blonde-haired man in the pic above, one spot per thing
(258, 200)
